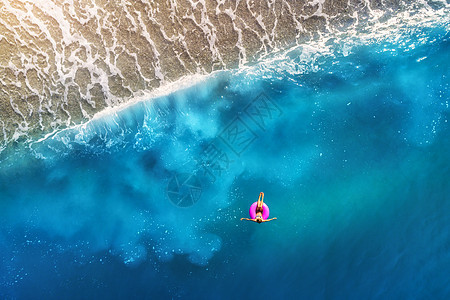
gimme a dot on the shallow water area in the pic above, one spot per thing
(349, 144)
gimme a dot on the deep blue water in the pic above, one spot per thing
(351, 150)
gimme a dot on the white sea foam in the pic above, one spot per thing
(377, 29)
(168, 238)
(397, 31)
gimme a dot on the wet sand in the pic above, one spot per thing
(60, 63)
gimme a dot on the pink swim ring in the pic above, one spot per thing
(252, 211)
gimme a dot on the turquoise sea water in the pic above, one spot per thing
(350, 147)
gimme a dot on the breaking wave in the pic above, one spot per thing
(63, 62)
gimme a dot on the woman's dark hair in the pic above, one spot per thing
(259, 220)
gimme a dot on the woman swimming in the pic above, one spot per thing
(259, 211)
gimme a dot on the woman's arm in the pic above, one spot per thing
(247, 219)
(269, 220)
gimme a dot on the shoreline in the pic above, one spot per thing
(321, 45)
